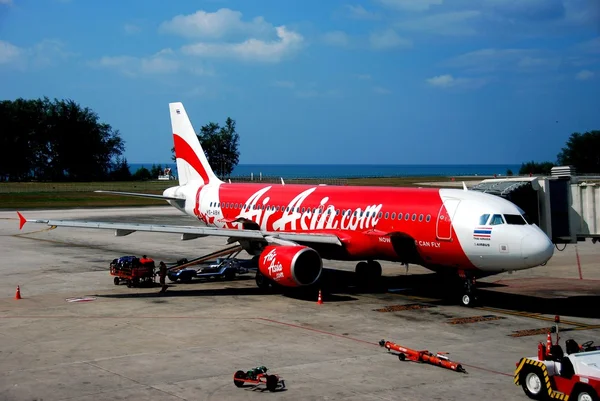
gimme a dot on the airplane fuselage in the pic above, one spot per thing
(439, 229)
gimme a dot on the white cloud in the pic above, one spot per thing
(46, 53)
(487, 60)
(388, 39)
(359, 12)
(590, 46)
(450, 23)
(251, 49)
(9, 53)
(131, 29)
(448, 81)
(163, 62)
(411, 5)
(584, 75)
(336, 38)
(222, 23)
(381, 90)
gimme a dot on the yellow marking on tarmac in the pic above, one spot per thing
(35, 232)
(533, 316)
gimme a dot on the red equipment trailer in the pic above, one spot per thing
(132, 270)
(422, 356)
(258, 376)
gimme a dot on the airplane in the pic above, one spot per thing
(292, 228)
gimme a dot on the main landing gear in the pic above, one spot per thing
(368, 273)
(469, 292)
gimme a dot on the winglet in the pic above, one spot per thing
(465, 186)
(282, 183)
(22, 220)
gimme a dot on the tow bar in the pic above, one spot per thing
(422, 356)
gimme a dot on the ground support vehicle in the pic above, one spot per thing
(132, 270)
(555, 375)
(224, 268)
(258, 376)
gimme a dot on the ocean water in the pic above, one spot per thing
(358, 170)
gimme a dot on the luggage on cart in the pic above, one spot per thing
(132, 270)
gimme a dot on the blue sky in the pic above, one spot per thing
(372, 81)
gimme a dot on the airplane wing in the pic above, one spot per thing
(189, 232)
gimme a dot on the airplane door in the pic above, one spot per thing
(444, 220)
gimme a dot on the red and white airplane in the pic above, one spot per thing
(293, 227)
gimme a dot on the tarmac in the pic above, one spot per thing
(74, 335)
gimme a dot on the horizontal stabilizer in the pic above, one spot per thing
(151, 196)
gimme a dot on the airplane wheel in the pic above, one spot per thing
(374, 269)
(116, 281)
(361, 274)
(261, 281)
(468, 299)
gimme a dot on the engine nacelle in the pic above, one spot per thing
(290, 266)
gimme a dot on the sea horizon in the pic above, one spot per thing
(355, 170)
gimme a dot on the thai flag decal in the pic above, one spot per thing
(482, 232)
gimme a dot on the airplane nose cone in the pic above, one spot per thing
(536, 249)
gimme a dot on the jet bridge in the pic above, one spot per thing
(565, 206)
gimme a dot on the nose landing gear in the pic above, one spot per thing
(469, 292)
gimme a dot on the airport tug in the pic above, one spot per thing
(554, 375)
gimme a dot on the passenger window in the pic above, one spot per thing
(394, 216)
(496, 219)
(399, 216)
(210, 204)
(387, 214)
(414, 216)
(380, 214)
(428, 218)
(483, 219)
(407, 216)
(420, 217)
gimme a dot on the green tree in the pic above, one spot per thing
(582, 151)
(121, 170)
(155, 171)
(142, 173)
(536, 168)
(220, 146)
(55, 140)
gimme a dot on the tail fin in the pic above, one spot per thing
(192, 164)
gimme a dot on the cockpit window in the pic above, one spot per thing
(496, 219)
(483, 219)
(516, 219)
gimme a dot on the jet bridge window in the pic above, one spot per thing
(516, 219)
(496, 219)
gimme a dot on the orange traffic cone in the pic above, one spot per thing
(548, 343)
(320, 299)
(18, 293)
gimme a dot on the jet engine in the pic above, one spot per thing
(290, 266)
